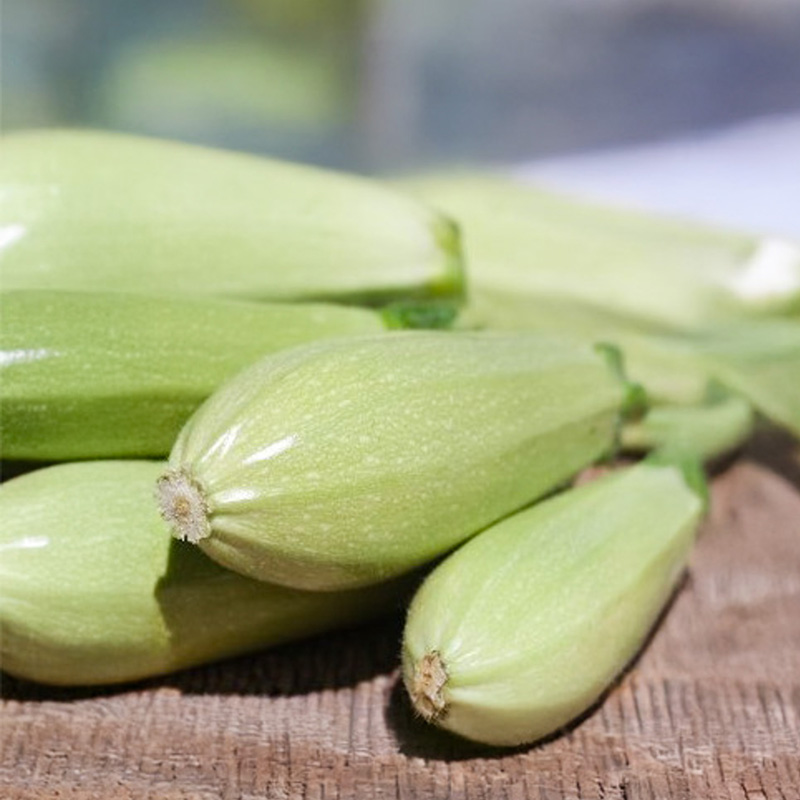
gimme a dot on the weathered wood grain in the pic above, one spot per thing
(711, 709)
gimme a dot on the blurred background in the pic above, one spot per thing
(378, 85)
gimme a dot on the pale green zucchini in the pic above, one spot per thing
(91, 210)
(687, 305)
(94, 590)
(654, 356)
(758, 359)
(522, 629)
(344, 463)
(104, 375)
(706, 431)
(522, 238)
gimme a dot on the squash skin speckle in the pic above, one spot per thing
(105, 375)
(94, 590)
(534, 618)
(92, 210)
(347, 462)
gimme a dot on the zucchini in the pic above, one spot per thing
(104, 375)
(86, 210)
(344, 463)
(96, 591)
(524, 238)
(523, 628)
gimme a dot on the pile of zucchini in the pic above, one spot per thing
(285, 393)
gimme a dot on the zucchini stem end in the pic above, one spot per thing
(183, 505)
(427, 690)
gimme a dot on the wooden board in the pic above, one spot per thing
(711, 709)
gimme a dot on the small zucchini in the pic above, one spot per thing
(523, 628)
(525, 238)
(343, 463)
(655, 356)
(100, 211)
(104, 375)
(758, 359)
(707, 431)
(94, 590)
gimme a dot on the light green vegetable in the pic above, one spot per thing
(519, 238)
(655, 357)
(100, 375)
(344, 463)
(706, 431)
(687, 305)
(101, 211)
(758, 359)
(93, 589)
(522, 629)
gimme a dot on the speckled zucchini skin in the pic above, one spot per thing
(94, 590)
(346, 462)
(523, 628)
(93, 210)
(104, 375)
